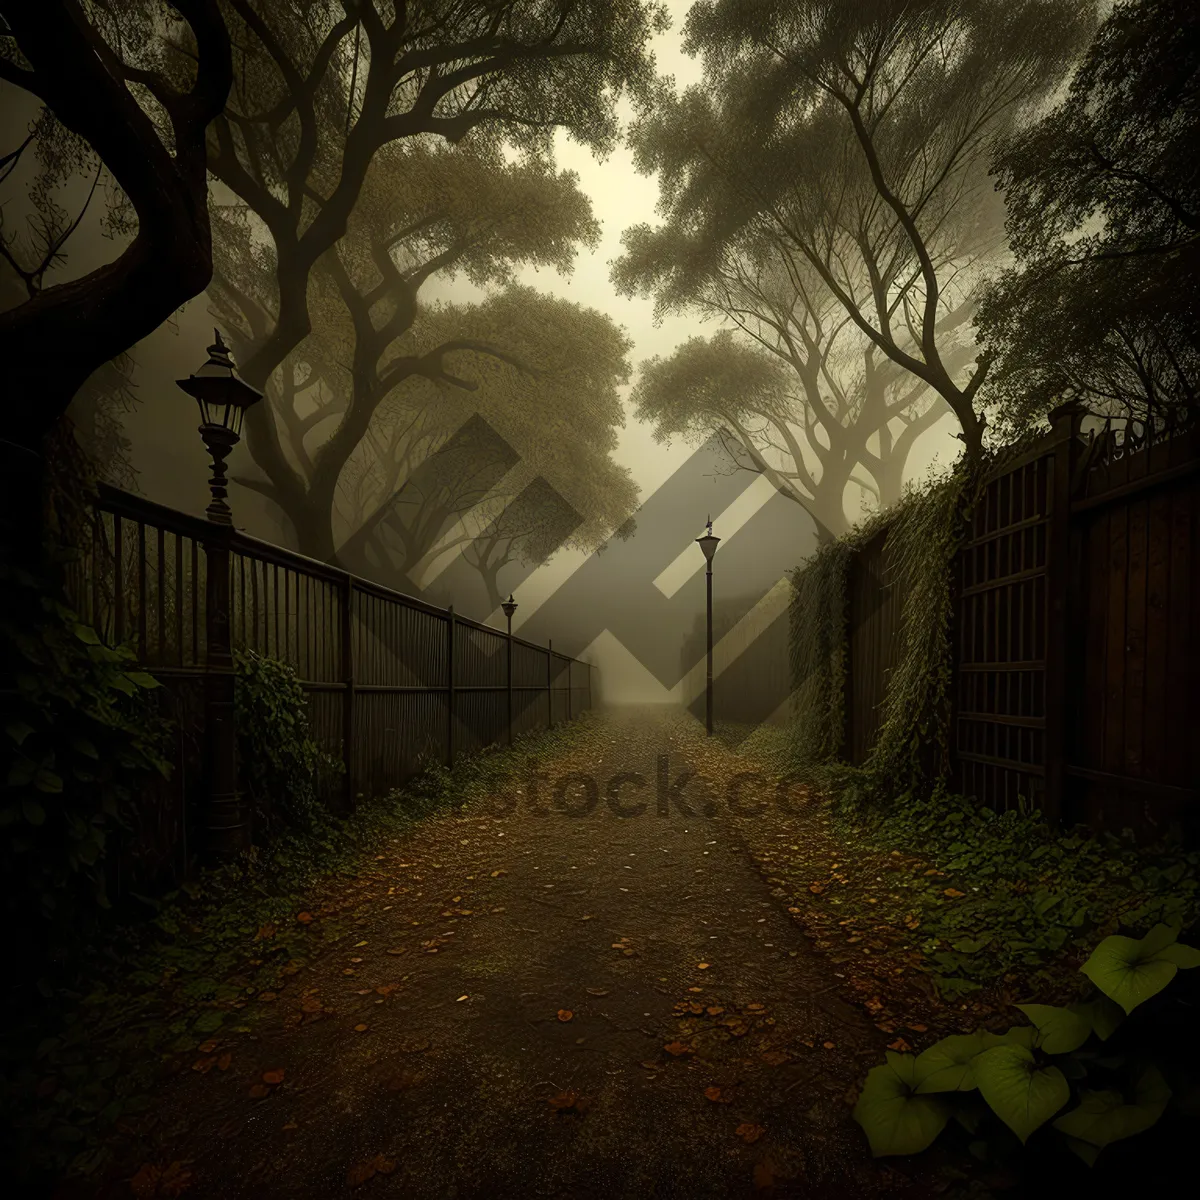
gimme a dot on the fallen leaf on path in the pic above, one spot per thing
(953, 893)
(290, 1125)
(207, 1047)
(397, 950)
(565, 1014)
(597, 991)
(224, 1061)
(677, 1048)
(775, 1058)
(387, 989)
(764, 1177)
(702, 966)
(900, 1046)
(259, 1091)
(651, 1066)
(361, 1028)
(714, 1010)
(204, 1065)
(564, 1100)
(719, 1095)
(267, 997)
(827, 1045)
(273, 1077)
(461, 999)
(917, 1028)
(749, 1133)
(305, 918)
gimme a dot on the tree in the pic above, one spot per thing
(129, 90)
(857, 137)
(514, 439)
(1103, 303)
(800, 390)
(423, 212)
(323, 87)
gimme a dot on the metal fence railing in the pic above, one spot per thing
(393, 683)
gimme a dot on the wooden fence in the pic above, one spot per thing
(393, 683)
(1076, 658)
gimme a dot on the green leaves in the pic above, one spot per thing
(1060, 1030)
(894, 1117)
(1130, 971)
(1104, 1116)
(946, 1065)
(1022, 1094)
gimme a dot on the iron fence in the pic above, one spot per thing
(393, 683)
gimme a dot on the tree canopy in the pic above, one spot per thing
(1103, 302)
(857, 138)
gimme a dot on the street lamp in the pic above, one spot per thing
(510, 607)
(708, 543)
(223, 397)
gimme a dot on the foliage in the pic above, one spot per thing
(475, 76)
(818, 648)
(797, 392)
(83, 737)
(922, 535)
(1028, 896)
(913, 742)
(1103, 197)
(856, 137)
(279, 762)
(1031, 1073)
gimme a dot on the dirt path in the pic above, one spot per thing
(545, 1005)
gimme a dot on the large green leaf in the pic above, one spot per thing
(1102, 1014)
(1130, 971)
(946, 1065)
(1019, 1035)
(894, 1118)
(1060, 1030)
(1022, 1094)
(1182, 956)
(1104, 1117)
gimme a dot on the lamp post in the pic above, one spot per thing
(708, 543)
(510, 607)
(223, 398)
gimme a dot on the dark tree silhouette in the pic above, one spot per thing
(89, 64)
(1104, 201)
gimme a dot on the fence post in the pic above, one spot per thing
(1065, 423)
(450, 703)
(570, 681)
(350, 795)
(226, 831)
(509, 682)
(550, 682)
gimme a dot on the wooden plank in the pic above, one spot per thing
(1157, 714)
(1182, 703)
(1135, 639)
(1112, 757)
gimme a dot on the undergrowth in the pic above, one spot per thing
(1031, 899)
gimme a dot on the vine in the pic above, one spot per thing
(912, 748)
(280, 762)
